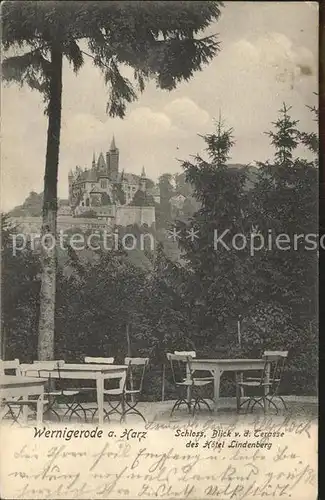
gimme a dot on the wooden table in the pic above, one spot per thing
(83, 371)
(218, 366)
(15, 386)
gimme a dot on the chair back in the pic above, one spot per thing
(12, 365)
(44, 368)
(135, 373)
(275, 355)
(276, 361)
(101, 361)
(180, 365)
(192, 354)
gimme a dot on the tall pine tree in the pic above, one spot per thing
(219, 277)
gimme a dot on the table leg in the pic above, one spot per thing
(25, 413)
(123, 396)
(39, 409)
(267, 387)
(216, 375)
(239, 389)
(100, 398)
(189, 387)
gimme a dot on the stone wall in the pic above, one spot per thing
(125, 215)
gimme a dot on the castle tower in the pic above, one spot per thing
(143, 181)
(93, 164)
(101, 163)
(113, 160)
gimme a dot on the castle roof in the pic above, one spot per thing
(101, 162)
(113, 146)
(87, 175)
(130, 178)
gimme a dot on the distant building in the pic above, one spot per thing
(107, 193)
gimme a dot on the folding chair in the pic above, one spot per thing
(88, 390)
(183, 377)
(65, 396)
(12, 366)
(129, 391)
(266, 387)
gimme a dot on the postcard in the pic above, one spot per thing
(159, 230)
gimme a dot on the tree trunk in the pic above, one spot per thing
(3, 343)
(128, 340)
(48, 246)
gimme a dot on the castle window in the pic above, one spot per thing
(103, 184)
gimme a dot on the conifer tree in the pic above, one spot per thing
(284, 208)
(219, 282)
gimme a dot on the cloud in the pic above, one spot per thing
(274, 53)
(82, 127)
(149, 121)
(186, 114)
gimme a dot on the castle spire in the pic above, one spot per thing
(94, 161)
(113, 146)
(143, 173)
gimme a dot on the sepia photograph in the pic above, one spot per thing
(159, 250)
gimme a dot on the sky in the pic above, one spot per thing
(269, 55)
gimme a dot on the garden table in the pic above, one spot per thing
(16, 386)
(82, 371)
(218, 366)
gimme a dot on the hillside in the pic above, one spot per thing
(32, 206)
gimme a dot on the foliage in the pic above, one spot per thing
(163, 212)
(20, 283)
(32, 206)
(89, 214)
(142, 199)
(181, 186)
(157, 41)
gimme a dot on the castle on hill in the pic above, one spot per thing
(106, 193)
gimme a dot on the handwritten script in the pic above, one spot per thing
(266, 457)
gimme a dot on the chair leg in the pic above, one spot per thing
(114, 408)
(178, 403)
(13, 415)
(249, 403)
(247, 400)
(51, 410)
(131, 409)
(197, 402)
(271, 402)
(74, 410)
(283, 402)
(259, 402)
